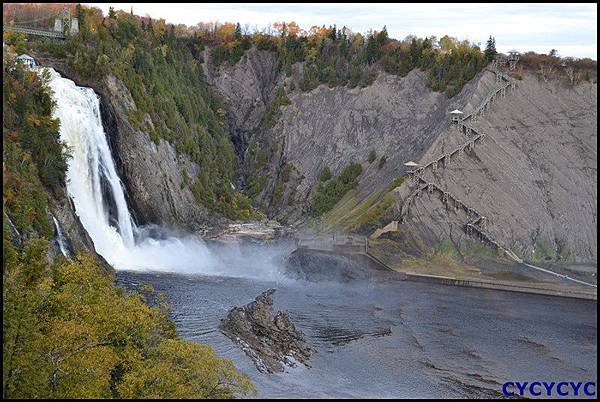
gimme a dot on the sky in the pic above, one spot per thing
(570, 28)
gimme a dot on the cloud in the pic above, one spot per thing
(569, 28)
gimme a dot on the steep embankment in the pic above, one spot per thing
(533, 178)
(331, 128)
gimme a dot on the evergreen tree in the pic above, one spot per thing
(111, 13)
(414, 52)
(372, 50)
(80, 14)
(382, 36)
(490, 49)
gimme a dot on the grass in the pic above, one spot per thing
(363, 216)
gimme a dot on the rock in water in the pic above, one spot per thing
(270, 340)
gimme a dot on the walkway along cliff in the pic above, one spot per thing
(476, 222)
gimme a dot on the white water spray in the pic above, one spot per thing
(93, 184)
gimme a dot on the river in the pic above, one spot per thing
(392, 339)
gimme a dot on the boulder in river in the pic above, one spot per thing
(271, 340)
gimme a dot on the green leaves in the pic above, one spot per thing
(330, 193)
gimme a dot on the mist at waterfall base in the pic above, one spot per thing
(99, 199)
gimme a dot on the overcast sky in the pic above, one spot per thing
(569, 28)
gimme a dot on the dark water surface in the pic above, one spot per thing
(395, 339)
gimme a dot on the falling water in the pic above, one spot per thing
(60, 238)
(97, 192)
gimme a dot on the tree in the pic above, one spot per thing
(372, 156)
(111, 13)
(490, 49)
(372, 50)
(179, 369)
(80, 15)
(414, 52)
(553, 53)
(382, 36)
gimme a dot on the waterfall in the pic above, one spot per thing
(97, 193)
(60, 238)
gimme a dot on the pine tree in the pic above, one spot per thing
(111, 13)
(382, 36)
(414, 52)
(490, 49)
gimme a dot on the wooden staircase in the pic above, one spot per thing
(476, 224)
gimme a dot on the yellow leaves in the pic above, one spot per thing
(164, 49)
(183, 369)
(226, 32)
(33, 120)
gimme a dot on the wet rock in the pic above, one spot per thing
(270, 340)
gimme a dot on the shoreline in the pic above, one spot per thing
(271, 231)
(454, 281)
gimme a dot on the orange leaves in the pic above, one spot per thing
(226, 32)
(13, 135)
(33, 120)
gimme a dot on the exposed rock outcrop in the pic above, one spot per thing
(321, 265)
(397, 117)
(534, 177)
(270, 340)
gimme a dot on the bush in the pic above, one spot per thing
(372, 156)
(325, 174)
(329, 194)
(381, 162)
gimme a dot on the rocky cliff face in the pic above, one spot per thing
(326, 127)
(534, 177)
(152, 174)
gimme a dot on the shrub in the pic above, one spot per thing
(325, 174)
(329, 194)
(372, 156)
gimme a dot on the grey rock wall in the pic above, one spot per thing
(534, 177)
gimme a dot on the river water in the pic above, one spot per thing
(388, 339)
